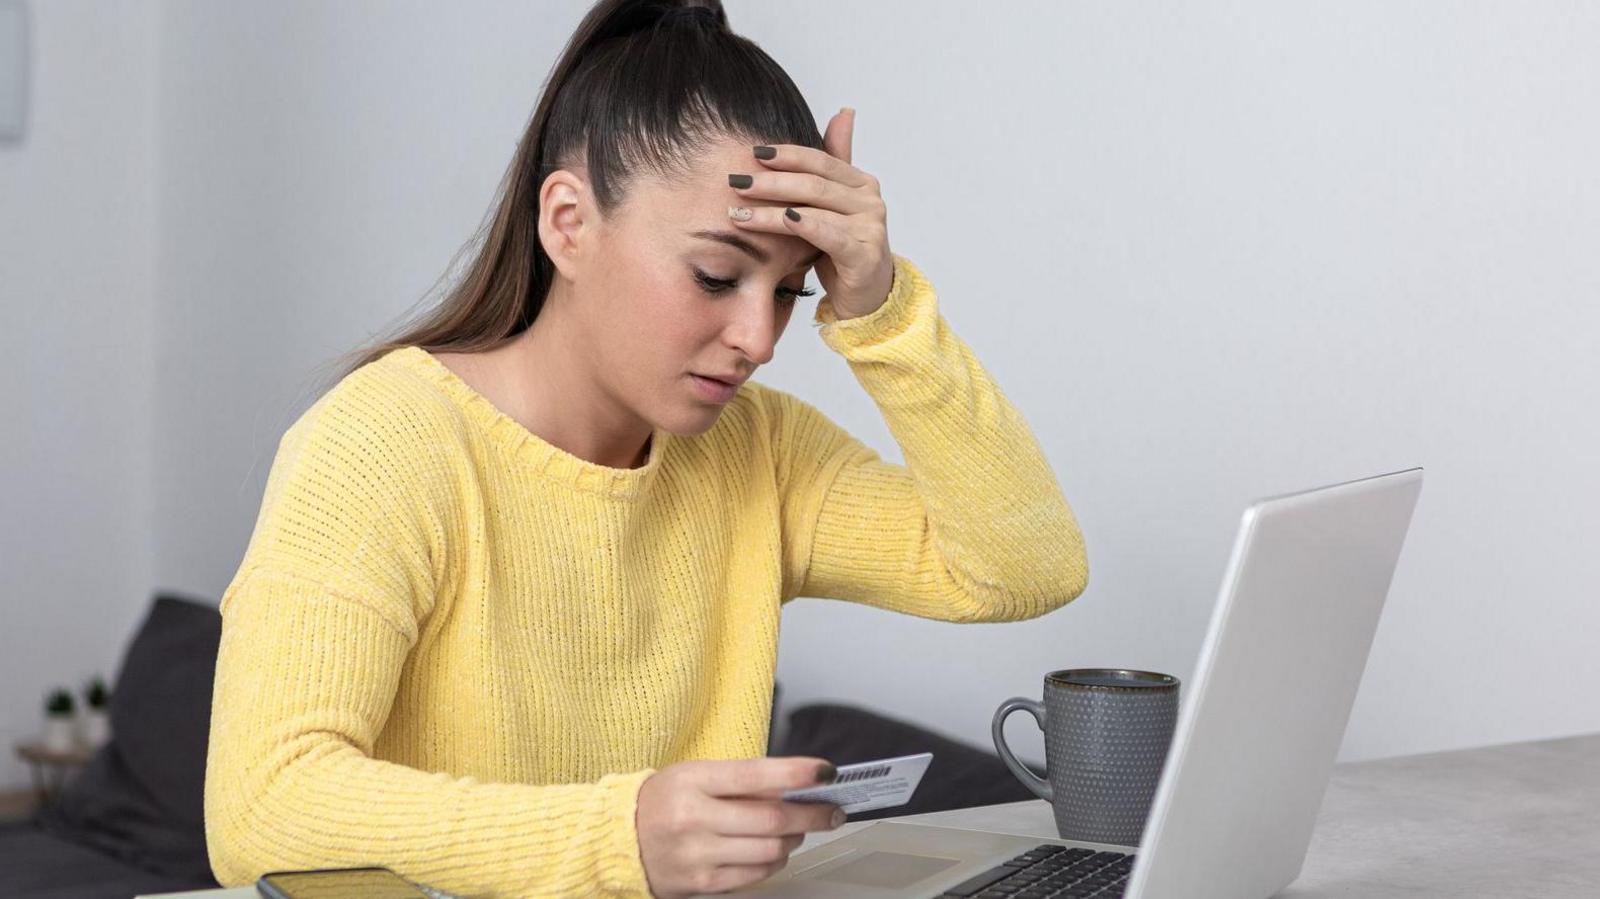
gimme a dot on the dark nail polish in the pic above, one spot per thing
(793, 216)
(765, 152)
(826, 773)
(740, 180)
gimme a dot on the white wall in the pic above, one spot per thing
(1215, 251)
(77, 259)
(1211, 251)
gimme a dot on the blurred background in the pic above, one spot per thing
(1211, 251)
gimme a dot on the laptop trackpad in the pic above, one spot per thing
(887, 870)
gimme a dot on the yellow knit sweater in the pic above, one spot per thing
(456, 650)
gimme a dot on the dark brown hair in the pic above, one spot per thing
(642, 85)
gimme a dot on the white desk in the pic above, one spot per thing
(1516, 820)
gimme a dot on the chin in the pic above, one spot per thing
(693, 423)
(690, 419)
(685, 416)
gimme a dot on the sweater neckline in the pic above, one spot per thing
(541, 456)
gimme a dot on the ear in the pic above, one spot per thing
(566, 219)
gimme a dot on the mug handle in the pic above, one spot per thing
(1034, 782)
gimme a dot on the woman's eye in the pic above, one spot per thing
(714, 285)
(786, 296)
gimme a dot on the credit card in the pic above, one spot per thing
(864, 786)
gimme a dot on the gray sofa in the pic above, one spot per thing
(131, 821)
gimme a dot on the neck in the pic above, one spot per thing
(555, 395)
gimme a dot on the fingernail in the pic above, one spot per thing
(839, 817)
(826, 773)
(849, 109)
(740, 180)
(739, 213)
(764, 152)
(793, 216)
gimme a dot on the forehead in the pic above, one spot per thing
(698, 201)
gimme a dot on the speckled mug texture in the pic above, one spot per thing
(1106, 736)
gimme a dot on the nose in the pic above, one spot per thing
(752, 328)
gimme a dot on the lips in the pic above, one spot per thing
(713, 390)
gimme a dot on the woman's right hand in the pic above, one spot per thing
(711, 826)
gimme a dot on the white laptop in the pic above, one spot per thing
(1259, 725)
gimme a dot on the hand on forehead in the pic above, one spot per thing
(702, 202)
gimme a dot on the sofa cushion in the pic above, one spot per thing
(960, 775)
(39, 865)
(141, 797)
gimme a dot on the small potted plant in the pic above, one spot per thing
(59, 734)
(96, 713)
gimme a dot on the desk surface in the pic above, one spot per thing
(1522, 819)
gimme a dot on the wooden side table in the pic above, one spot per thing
(46, 762)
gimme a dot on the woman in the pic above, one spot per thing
(508, 620)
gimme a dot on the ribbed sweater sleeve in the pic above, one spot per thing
(317, 626)
(974, 527)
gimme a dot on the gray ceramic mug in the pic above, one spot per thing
(1106, 736)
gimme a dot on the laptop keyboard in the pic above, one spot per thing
(1048, 871)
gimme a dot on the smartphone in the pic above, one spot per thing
(338, 883)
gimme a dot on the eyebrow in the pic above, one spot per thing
(733, 239)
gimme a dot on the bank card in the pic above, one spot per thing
(864, 786)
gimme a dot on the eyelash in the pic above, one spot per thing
(718, 285)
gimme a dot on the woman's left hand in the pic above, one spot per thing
(843, 216)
